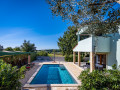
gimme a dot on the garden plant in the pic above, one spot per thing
(10, 76)
(100, 80)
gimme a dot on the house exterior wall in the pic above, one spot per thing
(102, 44)
(84, 45)
(109, 45)
(114, 56)
(118, 53)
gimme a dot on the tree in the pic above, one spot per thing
(68, 41)
(28, 47)
(103, 15)
(9, 76)
(9, 49)
(17, 49)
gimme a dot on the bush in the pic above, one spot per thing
(33, 56)
(100, 80)
(17, 49)
(42, 53)
(9, 76)
(69, 58)
(16, 60)
(9, 49)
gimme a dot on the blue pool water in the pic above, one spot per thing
(53, 74)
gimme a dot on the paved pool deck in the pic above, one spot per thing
(74, 70)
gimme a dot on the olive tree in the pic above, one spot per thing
(101, 16)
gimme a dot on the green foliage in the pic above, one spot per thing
(100, 15)
(33, 56)
(51, 50)
(114, 66)
(69, 58)
(9, 76)
(17, 58)
(9, 49)
(100, 80)
(28, 47)
(17, 49)
(42, 53)
(14, 53)
(68, 41)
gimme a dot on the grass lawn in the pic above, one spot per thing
(56, 55)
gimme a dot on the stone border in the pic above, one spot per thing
(74, 77)
(29, 86)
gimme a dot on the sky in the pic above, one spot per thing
(29, 20)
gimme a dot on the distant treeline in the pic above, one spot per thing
(51, 50)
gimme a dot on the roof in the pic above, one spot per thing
(82, 30)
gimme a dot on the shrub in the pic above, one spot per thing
(17, 49)
(69, 58)
(9, 49)
(33, 56)
(100, 80)
(42, 53)
(9, 76)
(18, 60)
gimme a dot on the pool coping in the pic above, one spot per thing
(28, 85)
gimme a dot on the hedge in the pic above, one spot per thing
(69, 58)
(42, 53)
(17, 58)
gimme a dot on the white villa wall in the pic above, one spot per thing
(118, 50)
(102, 44)
(84, 45)
(87, 45)
(118, 53)
(114, 55)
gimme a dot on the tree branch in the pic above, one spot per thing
(112, 1)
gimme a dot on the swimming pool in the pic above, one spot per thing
(53, 74)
